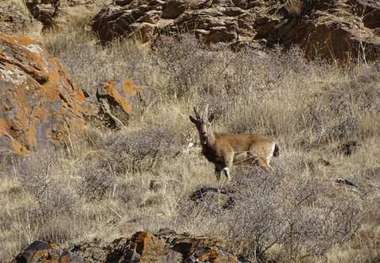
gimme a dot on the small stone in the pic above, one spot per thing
(155, 186)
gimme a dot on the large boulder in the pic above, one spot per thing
(15, 18)
(337, 30)
(39, 103)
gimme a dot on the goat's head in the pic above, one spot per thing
(203, 124)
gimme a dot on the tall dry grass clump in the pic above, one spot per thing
(320, 204)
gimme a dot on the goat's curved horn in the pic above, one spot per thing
(196, 113)
(206, 112)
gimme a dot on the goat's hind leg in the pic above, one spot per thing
(264, 164)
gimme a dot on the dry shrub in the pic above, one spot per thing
(121, 166)
(41, 204)
(97, 183)
(185, 69)
(138, 151)
(277, 210)
(40, 175)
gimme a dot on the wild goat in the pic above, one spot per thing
(224, 149)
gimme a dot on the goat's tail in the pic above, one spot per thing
(276, 151)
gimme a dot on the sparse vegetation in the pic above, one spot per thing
(141, 177)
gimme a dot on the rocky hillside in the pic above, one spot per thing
(100, 163)
(342, 29)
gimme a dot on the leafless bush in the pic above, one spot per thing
(7, 163)
(184, 67)
(274, 216)
(97, 183)
(141, 150)
(336, 113)
(53, 201)
(37, 174)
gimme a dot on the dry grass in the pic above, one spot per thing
(141, 177)
(22, 5)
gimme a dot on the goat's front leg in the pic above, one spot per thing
(228, 161)
(218, 170)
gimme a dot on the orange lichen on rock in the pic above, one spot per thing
(18, 148)
(112, 88)
(149, 246)
(26, 54)
(3, 127)
(38, 101)
(116, 98)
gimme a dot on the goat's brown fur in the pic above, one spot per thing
(225, 149)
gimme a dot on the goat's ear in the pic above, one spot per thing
(211, 117)
(192, 119)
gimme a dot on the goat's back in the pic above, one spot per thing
(245, 142)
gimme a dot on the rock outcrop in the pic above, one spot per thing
(44, 11)
(39, 104)
(164, 246)
(115, 98)
(15, 18)
(40, 251)
(38, 101)
(144, 20)
(58, 14)
(337, 30)
(341, 29)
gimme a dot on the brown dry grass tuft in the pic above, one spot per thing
(142, 177)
